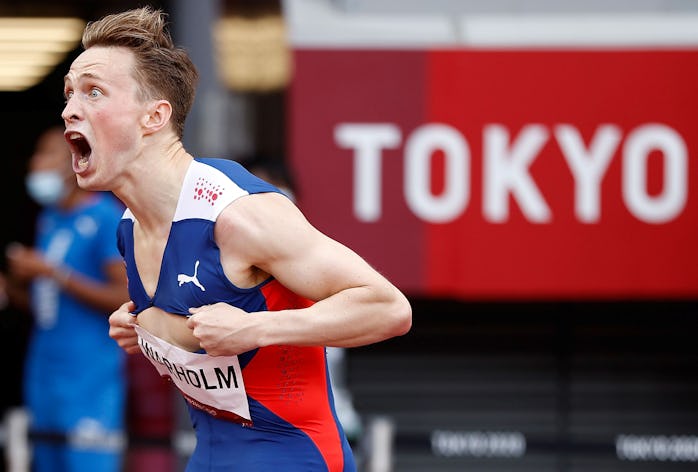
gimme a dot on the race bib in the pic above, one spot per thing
(211, 384)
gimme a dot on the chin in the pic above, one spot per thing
(87, 183)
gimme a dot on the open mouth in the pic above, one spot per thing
(80, 148)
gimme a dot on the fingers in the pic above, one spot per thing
(192, 320)
(14, 250)
(121, 324)
(199, 309)
(133, 349)
(129, 306)
(125, 309)
(124, 337)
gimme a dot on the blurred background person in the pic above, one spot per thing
(74, 381)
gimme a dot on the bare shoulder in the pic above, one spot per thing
(260, 217)
(261, 227)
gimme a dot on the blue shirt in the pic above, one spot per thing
(70, 355)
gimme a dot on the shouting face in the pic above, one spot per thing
(103, 115)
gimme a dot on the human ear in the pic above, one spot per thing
(158, 115)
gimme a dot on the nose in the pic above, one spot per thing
(70, 111)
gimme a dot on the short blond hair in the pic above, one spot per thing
(163, 70)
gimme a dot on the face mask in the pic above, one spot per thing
(46, 187)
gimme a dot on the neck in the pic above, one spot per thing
(153, 186)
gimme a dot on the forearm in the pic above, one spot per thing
(350, 318)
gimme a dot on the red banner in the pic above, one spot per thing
(504, 174)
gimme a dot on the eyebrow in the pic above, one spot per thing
(88, 75)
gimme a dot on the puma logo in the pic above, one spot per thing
(184, 278)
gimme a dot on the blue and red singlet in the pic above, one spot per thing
(294, 424)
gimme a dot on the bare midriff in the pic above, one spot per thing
(168, 327)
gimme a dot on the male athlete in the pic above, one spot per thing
(233, 292)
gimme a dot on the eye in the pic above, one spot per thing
(95, 92)
(68, 94)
